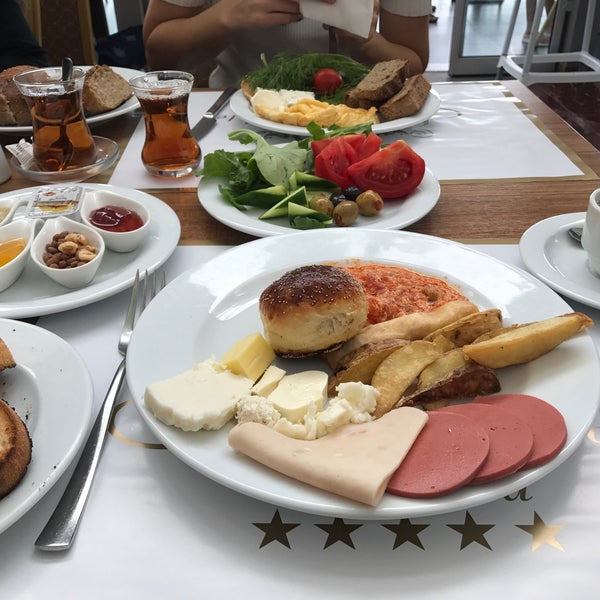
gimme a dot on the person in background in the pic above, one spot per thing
(18, 45)
(232, 34)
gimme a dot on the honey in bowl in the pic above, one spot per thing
(115, 218)
(10, 249)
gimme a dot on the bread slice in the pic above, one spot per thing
(382, 81)
(408, 101)
(15, 109)
(15, 449)
(103, 90)
(6, 358)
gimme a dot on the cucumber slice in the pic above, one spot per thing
(310, 182)
(280, 209)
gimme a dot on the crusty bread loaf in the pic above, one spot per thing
(13, 106)
(382, 81)
(103, 90)
(15, 449)
(6, 358)
(408, 101)
(312, 309)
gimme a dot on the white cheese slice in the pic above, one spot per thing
(204, 397)
(295, 392)
(270, 99)
(269, 381)
(355, 461)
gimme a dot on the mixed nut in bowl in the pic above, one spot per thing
(67, 251)
(16, 239)
(122, 223)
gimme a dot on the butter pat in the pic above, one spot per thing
(269, 381)
(204, 397)
(249, 356)
(297, 391)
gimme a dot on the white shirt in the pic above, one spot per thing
(244, 52)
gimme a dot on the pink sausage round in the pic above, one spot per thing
(448, 452)
(546, 423)
(511, 439)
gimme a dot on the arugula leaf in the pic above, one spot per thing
(276, 164)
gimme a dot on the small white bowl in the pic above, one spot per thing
(11, 271)
(117, 241)
(77, 276)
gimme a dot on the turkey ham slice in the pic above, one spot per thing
(355, 461)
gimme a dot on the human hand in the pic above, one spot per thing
(257, 14)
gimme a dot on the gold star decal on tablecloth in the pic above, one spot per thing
(541, 533)
(472, 532)
(338, 531)
(406, 532)
(276, 530)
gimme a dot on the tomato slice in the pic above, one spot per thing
(365, 145)
(370, 144)
(334, 160)
(393, 172)
(318, 146)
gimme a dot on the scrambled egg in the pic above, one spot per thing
(292, 107)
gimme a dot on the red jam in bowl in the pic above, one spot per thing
(115, 218)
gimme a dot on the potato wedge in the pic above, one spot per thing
(398, 371)
(516, 345)
(464, 382)
(468, 328)
(362, 363)
(413, 326)
(442, 367)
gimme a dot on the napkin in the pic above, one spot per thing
(354, 16)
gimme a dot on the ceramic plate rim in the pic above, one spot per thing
(51, 457)
(532, 249)
(127, 106)
(241, 108)
(193, 296)
(421, 202)
(157, 247)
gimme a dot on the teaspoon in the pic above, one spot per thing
(576, 233)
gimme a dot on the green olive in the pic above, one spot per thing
(345, 213)
(322, 204)
(369, 203)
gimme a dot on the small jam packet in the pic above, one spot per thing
(51, 201)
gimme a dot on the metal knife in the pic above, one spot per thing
(207, 122)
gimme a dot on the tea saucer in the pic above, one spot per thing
(106, 152)
(550, 253)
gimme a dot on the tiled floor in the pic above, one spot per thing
(576, 103)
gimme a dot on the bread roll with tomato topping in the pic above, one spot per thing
(312, 309)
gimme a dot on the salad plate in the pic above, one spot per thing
(206, 310)
(34, 294)
(40, 390)
(396, 214)
(553, 256)
(128, 106)
(242, 109)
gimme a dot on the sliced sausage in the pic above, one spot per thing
(546, 423)
(448, 452)
(511, 439)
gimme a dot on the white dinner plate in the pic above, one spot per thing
(242, 108)
(396, 214)
(553, 256)
(204, 311)
(34, 294)
(51, 390)
(127, 106)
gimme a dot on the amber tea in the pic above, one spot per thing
(61, 136)
(169, 148)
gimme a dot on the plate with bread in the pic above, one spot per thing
(386, 95)
(43, 423)
(106, 95)
(206, 311)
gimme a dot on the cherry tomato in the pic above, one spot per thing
(326, 81)
(393, 172)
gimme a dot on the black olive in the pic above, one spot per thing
(352, 192)
(336, 198)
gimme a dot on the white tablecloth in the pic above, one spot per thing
(154, 528)
(481, 131)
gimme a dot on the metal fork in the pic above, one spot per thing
(59, 532)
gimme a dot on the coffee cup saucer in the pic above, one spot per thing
(107, 152)
(554, 257)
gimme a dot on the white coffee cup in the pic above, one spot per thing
(590, 239)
